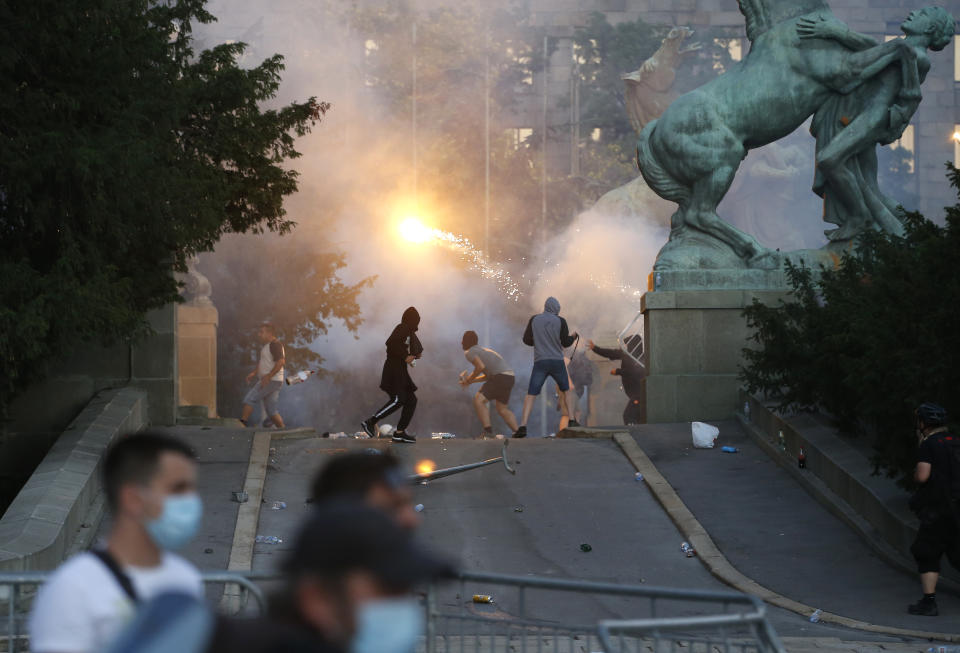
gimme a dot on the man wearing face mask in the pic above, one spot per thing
(347, 588)
(150, 481)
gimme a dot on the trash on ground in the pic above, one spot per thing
(815, 617)
(386, 430)
(729, 449)
(586, 548)
(241, 497)
(273, 451)
(638, 477)
(418, 507)
(442, 436)
(359, 435)
(279, 505)
(688, 550)
(802, 459)
(482, 598)
(208, 550)
(704, 435)
(518, 509)
(268, 539)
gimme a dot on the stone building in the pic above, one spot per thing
(931, 136)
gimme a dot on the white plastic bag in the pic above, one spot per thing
(704, 435)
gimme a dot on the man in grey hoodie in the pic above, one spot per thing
(549, 335)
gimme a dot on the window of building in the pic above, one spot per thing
(956, 58)
(907, 142)
(956, 145)
(519, 136)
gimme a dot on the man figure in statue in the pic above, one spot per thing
(848, 127)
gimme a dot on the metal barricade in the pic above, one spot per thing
(546, 615)
(17, 591)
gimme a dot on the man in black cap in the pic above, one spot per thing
(936, 502)
(347, 587)
(403, 348)
(372, 477)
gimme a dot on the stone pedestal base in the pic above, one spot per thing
(197, 355)
(694, 340)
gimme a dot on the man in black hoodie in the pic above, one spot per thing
(631, 374)
(403, 348)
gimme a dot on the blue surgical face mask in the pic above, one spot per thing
(178, 522)
(388, 626)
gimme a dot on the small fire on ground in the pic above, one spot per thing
(425, 467)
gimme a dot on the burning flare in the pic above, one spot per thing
(425, 467)
(413, 230)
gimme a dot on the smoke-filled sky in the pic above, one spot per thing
(356, 186)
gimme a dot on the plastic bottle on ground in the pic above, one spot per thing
(729, 449)
(268, 539)
(815, 617)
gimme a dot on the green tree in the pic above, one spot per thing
(122, 153)
(871, 340)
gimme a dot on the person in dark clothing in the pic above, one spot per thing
(347, 587)
(549, 335)
(936, 502)
(403, 348)
(631, 374)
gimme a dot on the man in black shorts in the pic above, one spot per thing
(936, 503)
(497, 377)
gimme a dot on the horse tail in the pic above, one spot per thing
(653, 172)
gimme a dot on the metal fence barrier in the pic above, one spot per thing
(546, 615)
(17, 591)
(519, 614)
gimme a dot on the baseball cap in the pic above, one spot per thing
(344, 535)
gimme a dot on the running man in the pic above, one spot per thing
(403, 348)
(497, 377)
(549, 335)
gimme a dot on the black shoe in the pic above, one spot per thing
(267, 423)
(924, 607)
(368, 428)
(521, 432)
(572, 424)
(486, 433)
(403, 436)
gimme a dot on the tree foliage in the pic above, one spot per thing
(871, 340)
(122, 153)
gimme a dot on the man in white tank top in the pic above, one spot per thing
(269, 376)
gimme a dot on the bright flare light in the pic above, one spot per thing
(413, 230)
(425, 467)
(956, 136)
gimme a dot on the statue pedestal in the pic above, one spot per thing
(693, 344)
(197, 355)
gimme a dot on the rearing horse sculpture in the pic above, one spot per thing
(691, 154)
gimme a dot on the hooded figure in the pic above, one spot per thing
(403, 347)
(631, 373)
(549, 335)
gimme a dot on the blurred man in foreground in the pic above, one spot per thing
(150, 480)
(371, 477)
(347, 588)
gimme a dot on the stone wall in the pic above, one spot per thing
(41, 412)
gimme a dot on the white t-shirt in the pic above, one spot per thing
(82, 607)
(269, 355)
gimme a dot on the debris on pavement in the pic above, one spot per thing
(241, 497)
(704, 435)
(586, 548)
(482, 598)
(729, 449)
(815, 617)
(638, 477)
(688, 550)
(279, 505)
(418, 507)
(268, 539)
(442, 436)
(518, 509)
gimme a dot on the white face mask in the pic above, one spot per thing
(388, 626)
